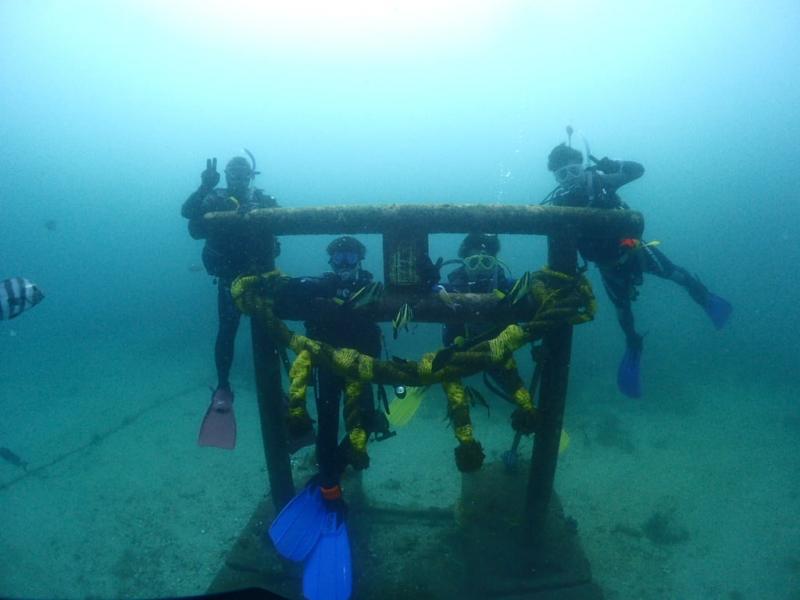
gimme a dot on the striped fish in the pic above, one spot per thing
(17, 295)
(401, 320)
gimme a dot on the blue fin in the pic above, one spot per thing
(628, 377)
(328, 573)
(297, 528)
(718, 309)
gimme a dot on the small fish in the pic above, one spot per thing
(16, 296)
(404, 316)
(51, 224)
(366, 295)
(195, 268)
(475, 398)
(520, 289)
(15, 460)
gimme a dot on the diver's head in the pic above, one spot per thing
(567, 166)
(475, 243)
(238, 176)
(478, 252)
(346, 254)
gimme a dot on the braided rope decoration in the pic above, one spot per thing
(557, 299)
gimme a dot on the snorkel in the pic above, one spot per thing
(252, 163)
(587, 152)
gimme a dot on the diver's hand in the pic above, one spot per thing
(429, 273)
(210, 177)
(607, 165)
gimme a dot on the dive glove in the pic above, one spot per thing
(607, 165)
(210, 177)
(429, 273)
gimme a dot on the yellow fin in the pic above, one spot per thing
(402, 410)
(563, 443)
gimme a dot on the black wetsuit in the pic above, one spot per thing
(458, 281)
(340, 327)
(226, 256)
(622, 263)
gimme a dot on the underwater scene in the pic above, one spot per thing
(389, 300)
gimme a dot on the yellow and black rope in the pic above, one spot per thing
(556, 299)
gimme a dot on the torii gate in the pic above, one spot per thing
(405, 230)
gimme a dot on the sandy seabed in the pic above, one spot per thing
(692, 492)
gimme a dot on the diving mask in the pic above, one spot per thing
(238, 176)
(569, 175)
(346, 265)
(343, 259)
(480, 265)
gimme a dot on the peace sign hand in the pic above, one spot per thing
(209, 178)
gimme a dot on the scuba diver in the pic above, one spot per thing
(480, 272)
(312, 527)
(226, 256)
(622, 263)
(343, 327)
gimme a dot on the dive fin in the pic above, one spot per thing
(510, 458)
(219, 425)
(297, 528)
(628, 374)
(718, 310)
(328, 572)
(402, 410)
(563, 442)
